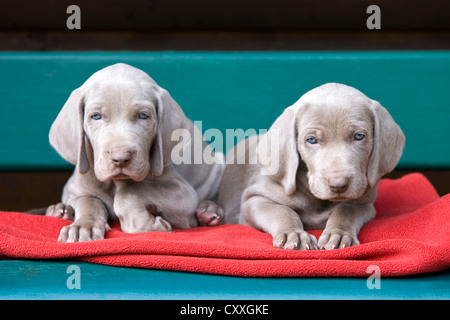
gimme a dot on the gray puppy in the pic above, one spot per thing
(316, 168)
(117, 129)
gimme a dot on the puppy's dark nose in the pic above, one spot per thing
(120, 158)
(338, 185)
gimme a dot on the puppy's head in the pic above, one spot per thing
(119, 122)
(345, 140)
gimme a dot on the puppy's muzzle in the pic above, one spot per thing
(338, 184)
(121, 157)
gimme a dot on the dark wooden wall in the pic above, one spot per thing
(224, 25)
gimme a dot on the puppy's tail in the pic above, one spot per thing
(37, 212)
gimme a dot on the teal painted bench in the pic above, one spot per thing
(224, 91)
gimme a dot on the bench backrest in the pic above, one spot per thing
(230, 90)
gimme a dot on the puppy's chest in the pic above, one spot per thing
(313, 212)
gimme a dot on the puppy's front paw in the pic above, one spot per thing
(161, 225)
(209, 213)
(60, 210)
(81, 231)
(337, 239)
(295, 240)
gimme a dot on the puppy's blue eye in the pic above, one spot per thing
(96, 116)
(311, 140)
(143, 116)
(358, 136)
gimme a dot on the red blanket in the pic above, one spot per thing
(410, 235)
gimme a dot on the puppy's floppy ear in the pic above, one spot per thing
(67, 135)
(388, 144)
(170, 117)
(277, 150)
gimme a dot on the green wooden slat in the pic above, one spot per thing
(48, 280)
(230, 90)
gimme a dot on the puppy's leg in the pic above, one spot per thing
(90, 222)
(209, 213)
(344, 224)
(280, 221)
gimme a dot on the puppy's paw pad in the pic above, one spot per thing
(60, 210)
(209, 213)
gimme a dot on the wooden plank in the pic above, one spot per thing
(22, 191)
(63, 40)
(48, 280)
(25, 190)
(230, 90)
(225, 14)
